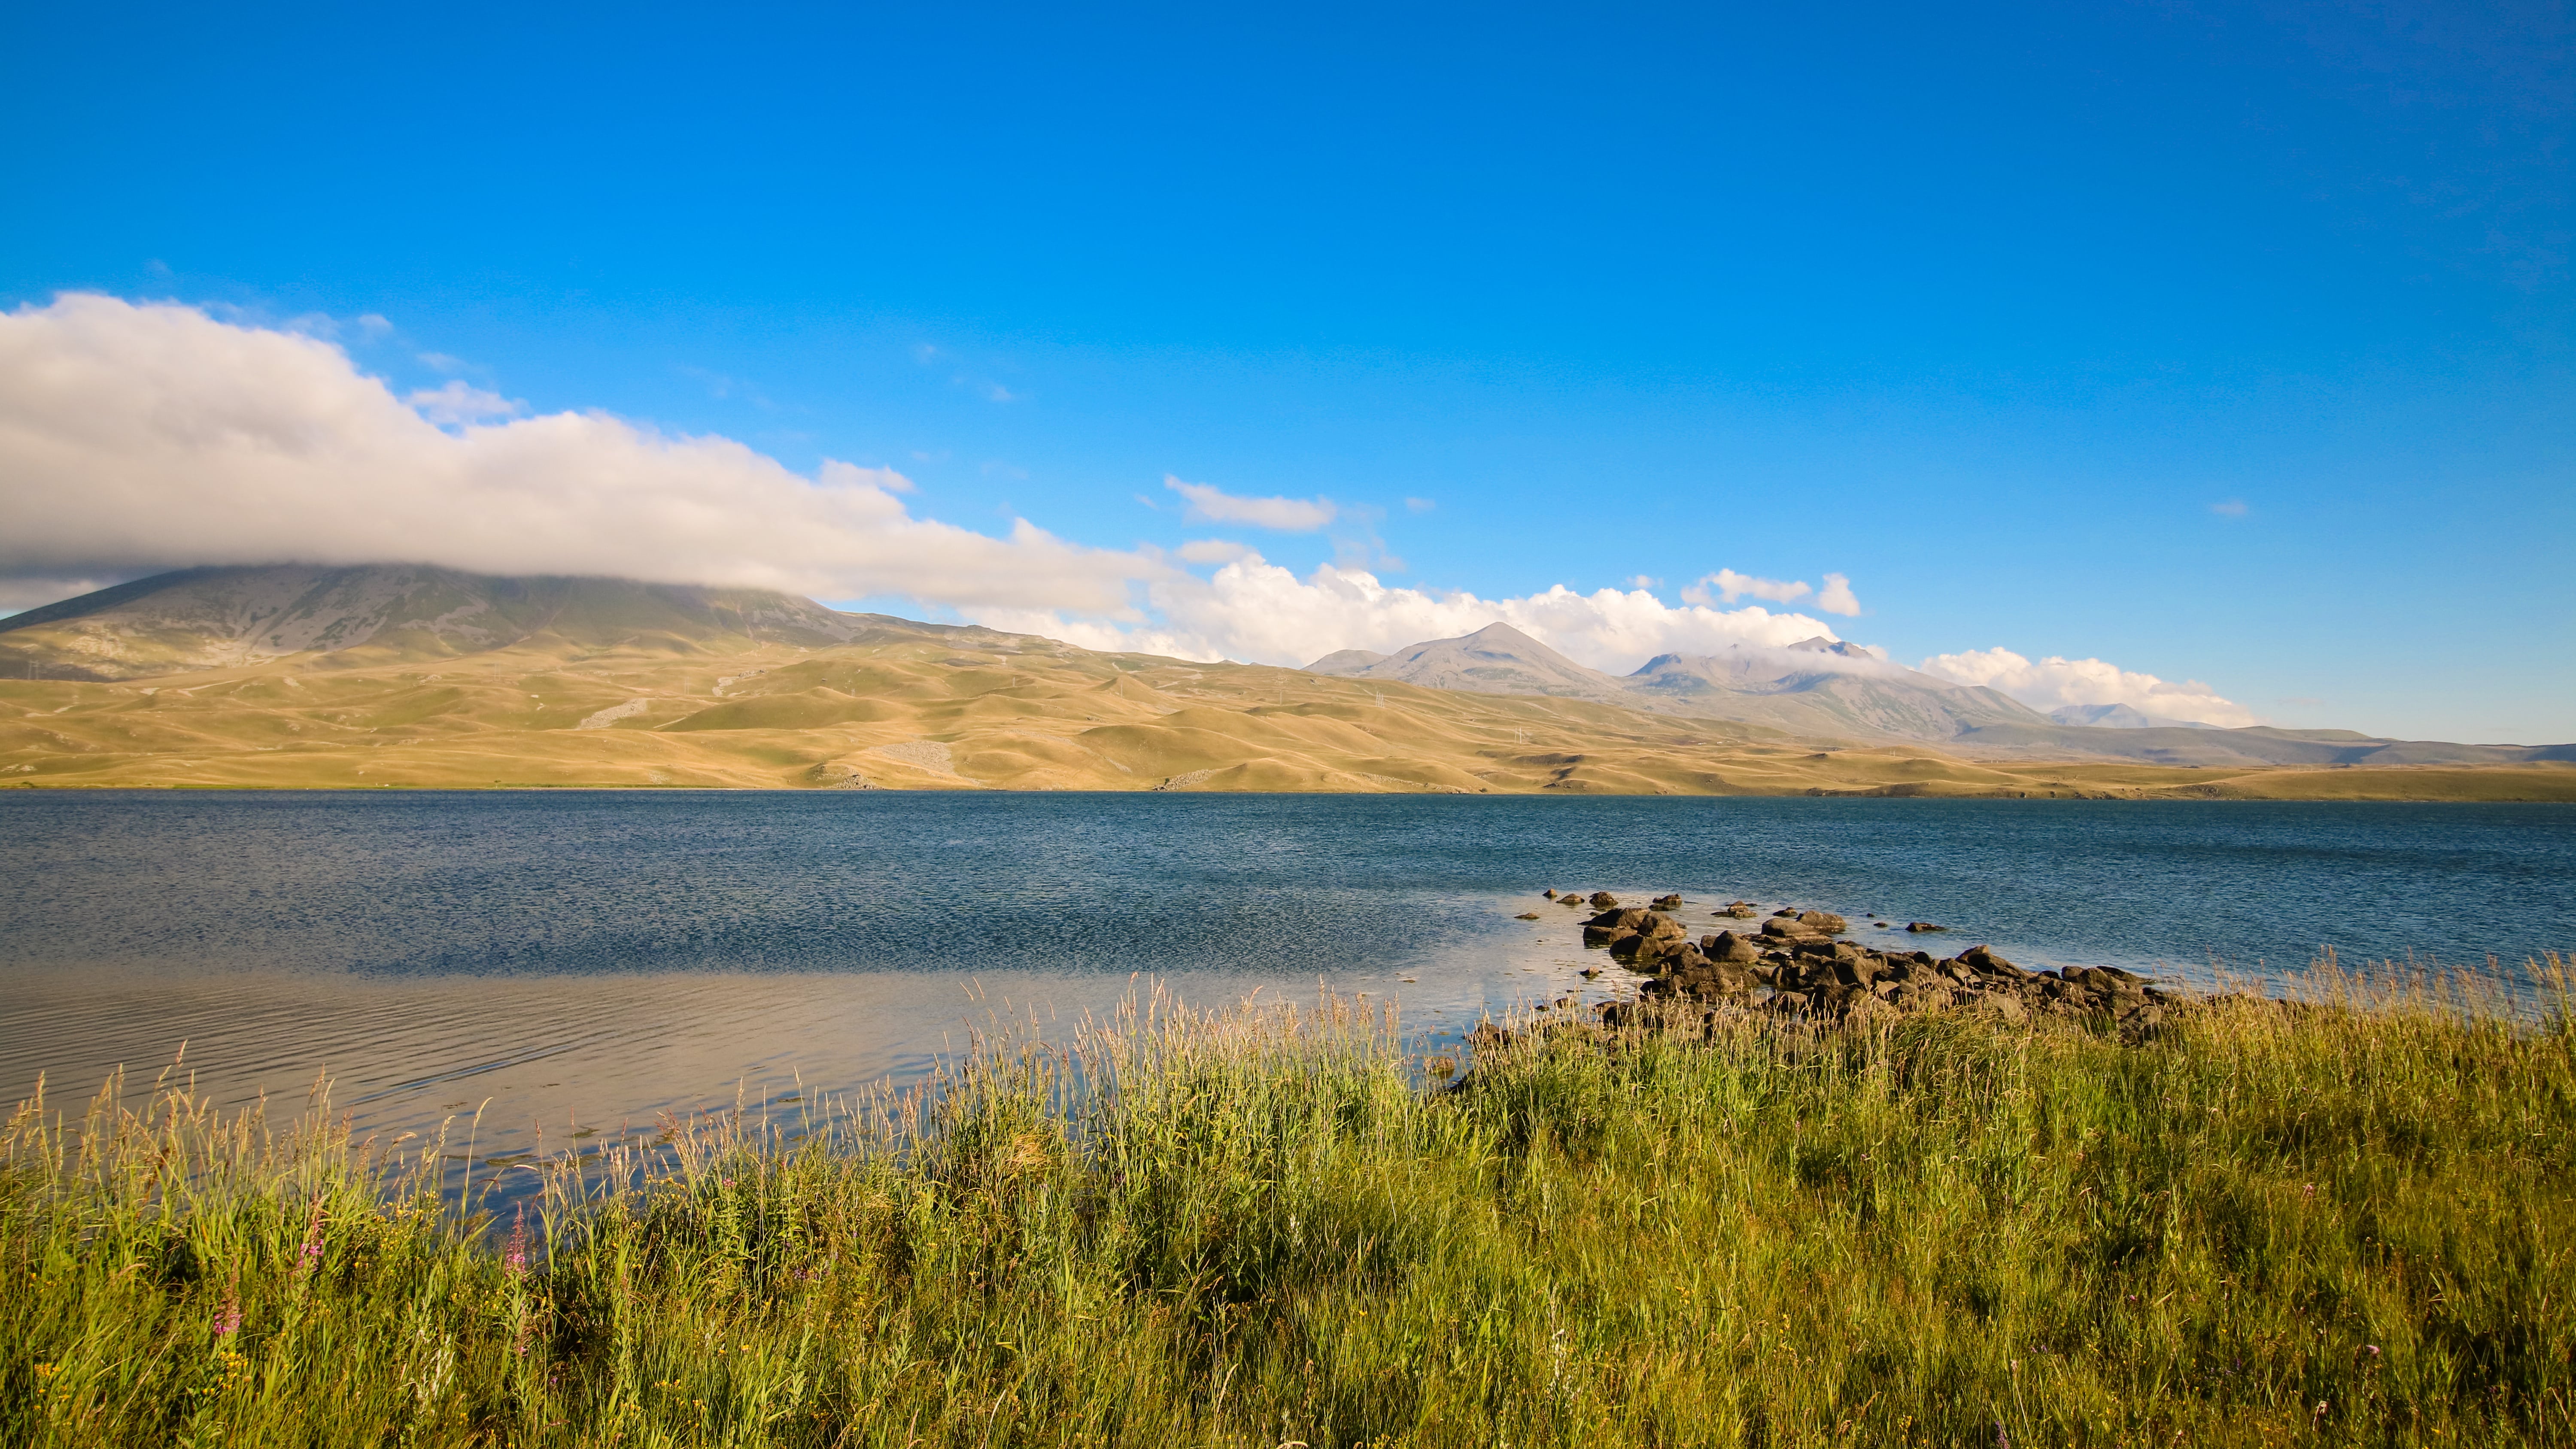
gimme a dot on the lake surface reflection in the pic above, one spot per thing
(595, 957)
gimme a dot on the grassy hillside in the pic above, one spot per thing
(972, 710)
(2351, 1223)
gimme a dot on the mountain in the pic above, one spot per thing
(1823, 687)
(1345, 661)
(219, 618)
(1833, 689)
(1818, 687)
(1497, 659)
(405, 676)
(2119, 717)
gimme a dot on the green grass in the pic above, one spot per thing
(2352, 1222)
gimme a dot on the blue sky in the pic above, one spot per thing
(2222, 343)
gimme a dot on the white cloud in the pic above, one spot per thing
(1289, 515)
(1213, 550)
(1254, 610)
(458, 404)
(2232, 508)
(1838, 598)
(2049, 683)
(1419, 505)
(135, 438)
(1731, 586)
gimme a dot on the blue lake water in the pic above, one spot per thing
(616, 952)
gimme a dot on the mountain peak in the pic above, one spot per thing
(1822, 645)
(1496, 659)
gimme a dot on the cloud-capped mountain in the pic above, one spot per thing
(1816, 687)
(1839, 690)
(217, 618)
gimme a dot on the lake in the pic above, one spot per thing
(596, 957)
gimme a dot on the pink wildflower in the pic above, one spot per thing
(515, 1257)
(311, 1256)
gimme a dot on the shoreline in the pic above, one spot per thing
(1253, 1226)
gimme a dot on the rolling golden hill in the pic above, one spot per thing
(915, 707)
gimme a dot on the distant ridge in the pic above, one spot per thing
(220, 618)
(2119, 717)
(1834, 689)
(1817, 686)
(403, 673)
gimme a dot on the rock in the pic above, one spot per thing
(1728, 946)
(1825, 921)
(1782, 928)
(1671, 902)
(1591, 973)
(1985, 962)
(1550, 893)
(1603, 900)
(1608, 926)
(1526, 916)
(1789, 911)
(2003, 1006)
(1740, 911)
(1569, 899)
(1919, 927)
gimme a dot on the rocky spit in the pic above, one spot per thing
(1794, 963)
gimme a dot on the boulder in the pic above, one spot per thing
(1638, 948)
(1862, 972)
(1782, 928)
(1919, 927)
(1603, 900)
(1985, 962)
(1631, 919)
(1671, 902)
(1550, 893)
(1825, 921)
(1728, 946)
(1740, 911)
(2003, 1006)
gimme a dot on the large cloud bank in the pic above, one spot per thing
(1254, 609)
(135, 438)
(2050, 683)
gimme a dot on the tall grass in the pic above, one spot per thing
(2348, 1222)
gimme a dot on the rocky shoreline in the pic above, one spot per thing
(1795, 964)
